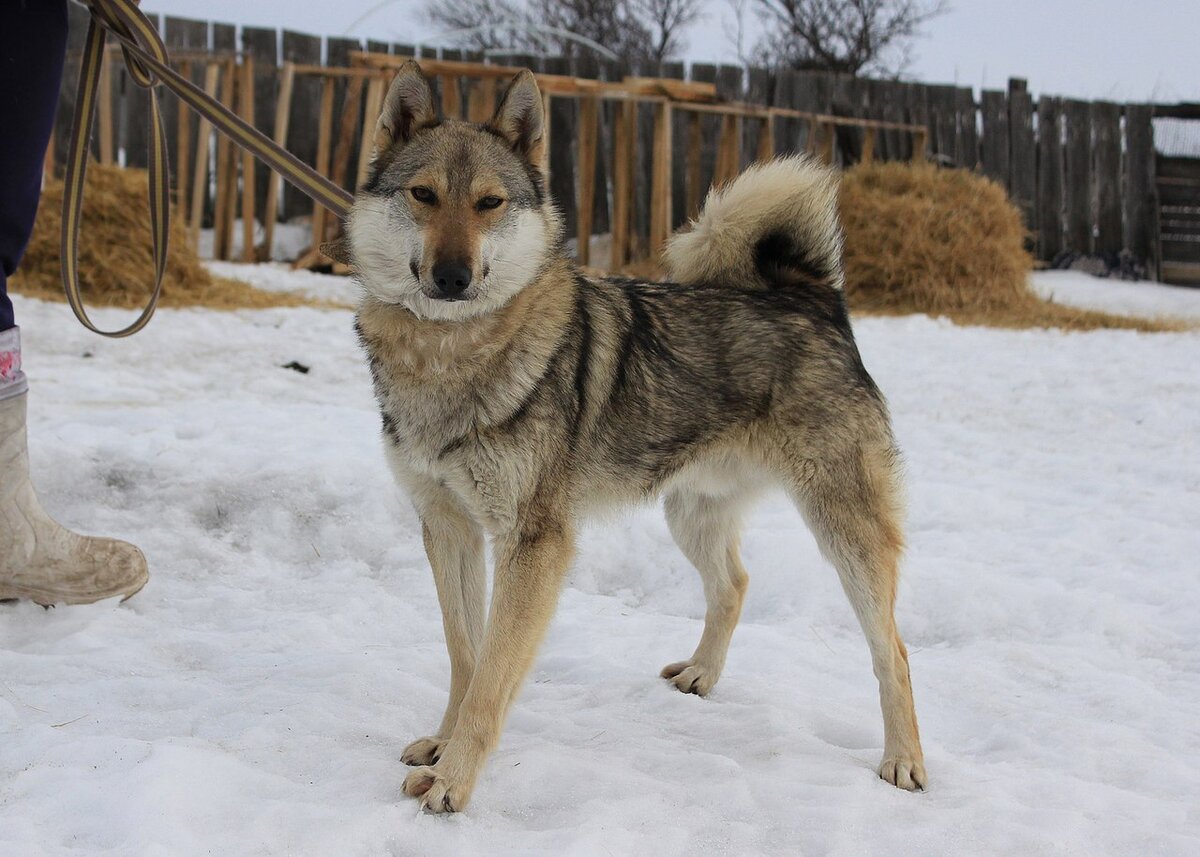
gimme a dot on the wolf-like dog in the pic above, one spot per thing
(518, 396)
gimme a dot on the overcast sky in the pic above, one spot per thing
(1123, 50)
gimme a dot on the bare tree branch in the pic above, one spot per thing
(850, 36)
(636, 30)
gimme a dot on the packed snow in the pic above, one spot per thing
(255, 697)
(1140, 298)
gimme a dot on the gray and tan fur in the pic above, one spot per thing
(518, 397)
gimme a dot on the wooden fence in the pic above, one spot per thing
(1082, 173)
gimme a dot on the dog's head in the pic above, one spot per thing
(453, 219)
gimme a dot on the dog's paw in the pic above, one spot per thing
(690, 677)
(437, 793)
(424, 751)
(903, 771)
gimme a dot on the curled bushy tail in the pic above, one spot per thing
(775, 225)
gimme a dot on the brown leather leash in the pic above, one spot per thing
(148, 64)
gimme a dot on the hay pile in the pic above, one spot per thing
(946, 243)
(116, 265)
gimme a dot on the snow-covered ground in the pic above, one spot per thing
(1150, 300)
(254, 698)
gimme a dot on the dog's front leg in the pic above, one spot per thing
(454, 545)
(530, 567)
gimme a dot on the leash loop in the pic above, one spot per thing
(148, 63)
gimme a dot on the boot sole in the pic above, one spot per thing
(48, 598)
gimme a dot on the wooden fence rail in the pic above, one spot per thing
(632, 148)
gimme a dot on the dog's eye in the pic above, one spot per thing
(423, 194)
(489, 202)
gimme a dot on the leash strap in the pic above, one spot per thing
(148, 64)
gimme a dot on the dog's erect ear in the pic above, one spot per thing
(407, 107)
(521, 119)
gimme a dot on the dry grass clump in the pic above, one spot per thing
(950, 243)
(116, 265)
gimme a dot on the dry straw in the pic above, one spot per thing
(947, 243)
(116, 267)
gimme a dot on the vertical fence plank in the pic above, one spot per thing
(179, 34)
(589, 66)
(212, 76)
(729, 150)
(561, 121)
(246, 111)
(704, 130)
(181, 163)
(351, 119)
(623, 155)
(917, 113)
(968, 129)
(943, 118)
(77, 24)
(1106, 176)
(1049, 178)
(1141, 209)
(324, 153)
(263, 45)
(995, 136)
(692, 180)
(886, 100)
(132, 114)
(283, 113)
(375, 93)
(758, 91)
(1078, 171)
(337, 55)
(1022, 156)
(679, 119)
(224, 43)
(585, 202)
(224, 39)
(868, 147)
(660, 183)
(302, 134)
(786, 129)
(222, 195)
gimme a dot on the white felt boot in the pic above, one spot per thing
(39, 559)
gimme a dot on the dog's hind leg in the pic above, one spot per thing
(706, 529)
(852, 506)
(454, 544)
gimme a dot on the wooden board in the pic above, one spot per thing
(968, 129)
(283, 112)
(263, 45)
(757, 136)
(246, 86)
(994, 149)
(179, 34)
(302, 132)
(588, 132)
(199, 193)
(1141, 207)
(1106, 175)
(660, 185)
(623, 157)
(1049, 178)
(1022, 157)
(1077, 171)
(561, 118)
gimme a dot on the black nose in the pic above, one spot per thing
(451, 279)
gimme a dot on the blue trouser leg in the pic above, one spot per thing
(33, 40)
